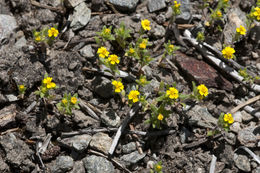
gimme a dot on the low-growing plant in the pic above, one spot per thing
(104, 35)
(46, 35)
(247, 77)
(45, 88)
(121, 35)
(157, 168)
(21, 90)
(170, 49)
(68, 103)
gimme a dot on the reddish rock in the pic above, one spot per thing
(202, 73)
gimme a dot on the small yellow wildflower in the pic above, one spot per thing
(53, 32)
(143, 44)
(158, 168)
(207, 23)
(176, 4)
(203, 90)
(64, 101)
(173, 93)
(228, 52)
(219, 14)
(256, 13)
(118, 86)
(102, 51)
(38, 38)
(113, 59)
(107, 31)
(160, 117)
(73, 100)
(133, 95)
(131, 51)
(48, 83)
(241, 30)
(228, 118)
(171, 48)
(226, 1)
(21, 87)
(47, 80)
(145, 24)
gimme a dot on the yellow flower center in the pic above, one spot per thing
(21, 87)
(64, 101)
(145, 24)
(160, 117)
(113, 59)
(158, 168)
(118, 86)
(173, 93)
(219, 14)
(73, 100)
(107, 31)
(176, 4)
(131, 50)
(143, 44)
(133, 95)
(228, 52)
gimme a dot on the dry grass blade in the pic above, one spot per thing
(235, 109)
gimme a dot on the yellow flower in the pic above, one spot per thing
(219, 14)
(133, 95)
(176, 4)
(51, 85)
(53, 32)
(143, 44)
(241, 30)
(158, 168)
(102, 51)
(226, 1)
(228, 52)
(118, 86)
(73, 100)
(203, 90)
(47, 80)
(38, 38)
(107, 31)
(131, 51)
(228, 118)
(171, 48)
(256, 13)
(64, 101)
(160, 117)
(145, 24)
(113, 59)
(173, 93)
(21, 87)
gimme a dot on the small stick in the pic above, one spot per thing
(30, 108)
(249, 109)
(113, 160)
(122, 127)
(138, 146)
(241, 105)
(84, 106)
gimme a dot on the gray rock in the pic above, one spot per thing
(101, 142)
(155, 5)
(78, 167)
(110, 118)
(45, 15)
(237, 116)
(21, 42)
(258, 66)
(158, 31)
(200, 116)
(151, 87)
(247, 138)
(11, 97)
(4, 167)
(130, 147)
(62, 164)
(148, 71)
(184, 134)
(102, 87)
(87, 51)
(72, 3)
(18, 154)
(257, 170)
(96, 164)
(78, 143)
(242, 162)
(7, 116)
(7, 26)
(80, 17)
(255, 34)
(83, 120)
(235, 127)
(185, 15)
(132, 158)
(236, 17)
(246, 117)
(128, 5)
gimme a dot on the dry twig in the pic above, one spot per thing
(241, 105)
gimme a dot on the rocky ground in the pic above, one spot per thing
(35, 137)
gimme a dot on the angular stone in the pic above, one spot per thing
(130, 147)
(247, 138)
(62, 164)
(78, 167)
(72, 3)
(185, 15)
(7, 25)
(4, 167)
(202, 73)
(110, 118)
(80, 17)
(101, 142)
(96, 164)
(103, 87)
(7, 116)
(132, 158)
(123, 5)
(242, 162)
(78, 143)
(87, 51)
(155, 5)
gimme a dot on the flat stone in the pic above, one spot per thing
(83, 120)
(156, 5)
(255, 34)
(102, 87)
(80, 17)
(101, 142)
(110, 118)
(78, 167)
(246, 117)
(199, 116)
(130, 147)
(62, 164)
(242, 162)
(78, 143)
(123, 5)
(247, 138)
(237, 116)
(202, 73)
(7, 116)
(132, 158)
(72, 3)
(96, 164)
(7, 26)
(185, 15)
(87, 51)
(4, 167)
(158, 31)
